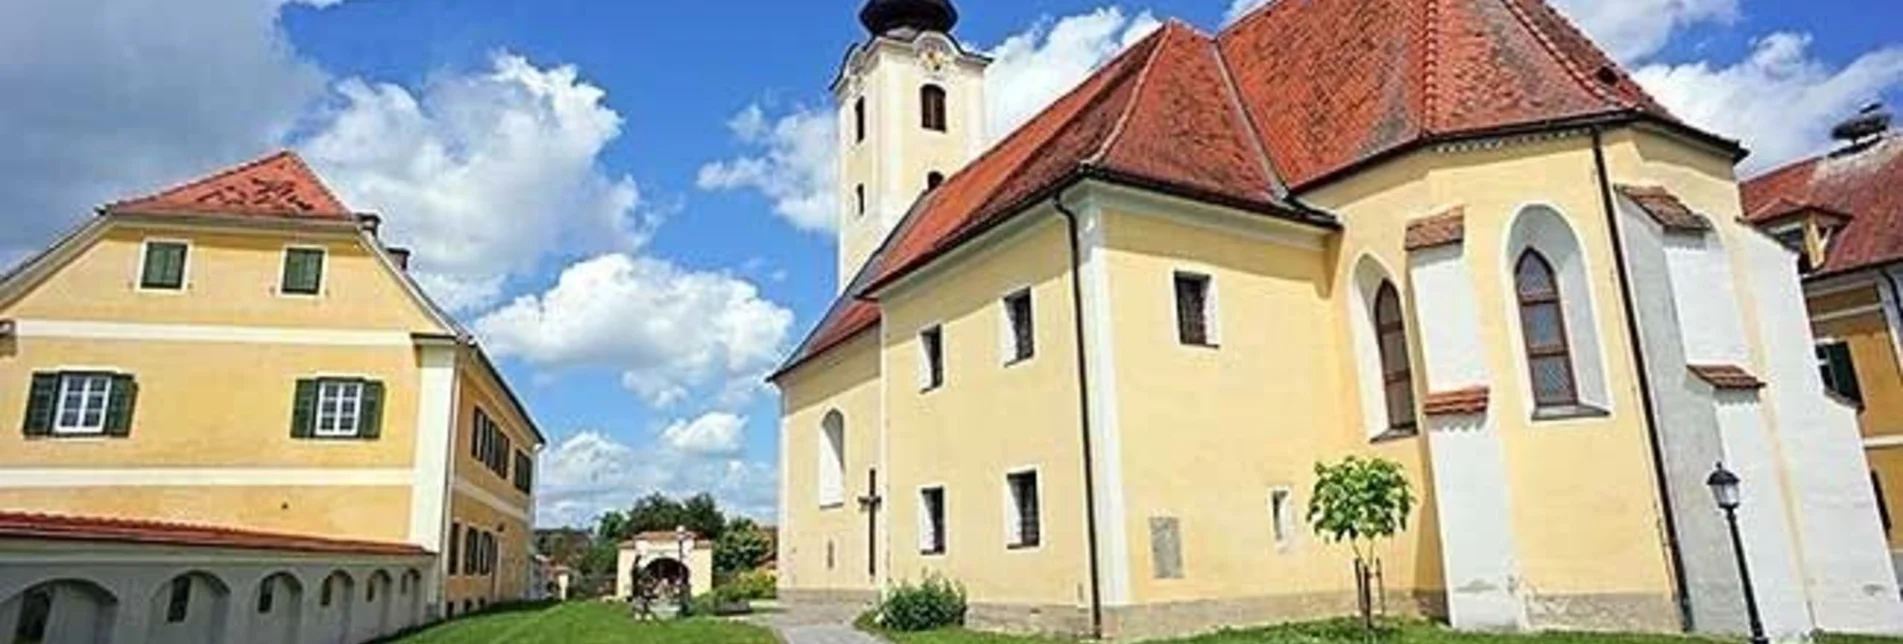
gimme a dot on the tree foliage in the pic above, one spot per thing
(1359, 501)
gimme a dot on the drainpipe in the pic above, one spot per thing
(1672, 548)
(1083, 415)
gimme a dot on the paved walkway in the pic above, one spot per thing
(809, 625)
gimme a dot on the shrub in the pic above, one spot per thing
(722, 601)
(753, 584)
(936, 603)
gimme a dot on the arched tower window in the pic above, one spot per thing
(832, 459)
(932, 107)
(1549, 360)
(933, 180)
(1397, 378)
(859, 196)
(859, 119)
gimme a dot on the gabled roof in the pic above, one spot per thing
(22, 525)
(1665, 208)
(279, 185)
(1857, 184)
(1295, 94)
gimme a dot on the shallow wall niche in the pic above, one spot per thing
(1545, 230)
(191, 608)
(67, 611)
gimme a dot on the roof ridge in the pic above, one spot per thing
(284, 154)
(1566, 62)
(1162, 37)
(1252, 130)
(1430, 63)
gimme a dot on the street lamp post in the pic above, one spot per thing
(1724, 489)
(687, 580)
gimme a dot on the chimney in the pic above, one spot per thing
(1869, 124)
(401, 255)
(370, 221)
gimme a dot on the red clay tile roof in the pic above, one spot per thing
(1439, 230)
(1666, 208)
(280, 185)
(1726, 376)
(1464, 402)
(1858, 184)
(20, 525)
(1333, 83)
(1286, 98)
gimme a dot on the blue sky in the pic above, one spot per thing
(626, 200)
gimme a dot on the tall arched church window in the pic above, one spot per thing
(1549, 360)
(832, 459)
(932, 107)
(1397, 378)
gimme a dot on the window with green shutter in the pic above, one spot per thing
(81, 404)
(337, 408)
(164, 268)
(303, 271)
(1839, 370)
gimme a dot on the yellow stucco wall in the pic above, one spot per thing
(513, 540)
(476, 389)
(232, 279)
(987, 420)
(1878, 377)
(847, 380)
(379, 513)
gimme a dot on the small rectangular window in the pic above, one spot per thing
(1020, 327)
(524, 472)
(1839, 369)
(859, 199)
(472, 551)
(455, 547)
(339, 408)
(180, 602)
(83, 402)
(1026, 531)
(164, 266)
(859, 120)
(932, 358)
(303, 271)
(1193, 309)
(931, 503)
(1282, 513)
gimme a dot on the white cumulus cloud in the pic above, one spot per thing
(1239, 8)
(791, 157)
(714, 433)
(1780, 101)
(671, 331)
(591, 472)
(795, 164)
(483, 175)
(1631, 30)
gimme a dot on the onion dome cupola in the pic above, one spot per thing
(887, 16)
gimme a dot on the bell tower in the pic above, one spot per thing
(911, 113)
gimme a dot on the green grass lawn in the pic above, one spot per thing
(1349, 632)
(583, 622)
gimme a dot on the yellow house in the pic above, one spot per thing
(1842, 213)
(244, 352)
(1087, 371)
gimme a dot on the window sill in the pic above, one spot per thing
(832, 505)
(927, 390)
(77, 437)
(1201, 345)
(1024, 547)
(1012, 362)
(1395, 434)
(1568, 412)
(931, 553)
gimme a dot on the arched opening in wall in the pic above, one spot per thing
(667, 578)
(410, 594)
(1382, 358)
(191, 608)
(1550, 306)
(60, 612)
(280, 609)
(932, 115)
(378, 591)
(832, 459)
(334, 607)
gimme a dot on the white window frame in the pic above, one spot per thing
(925, 359)
(323, 274)
(1013, 536)
(1282, 517)
(1212, 318)
(185, 267)
(1007, 328)
(925, 532)
(80, 427)
(355, 418)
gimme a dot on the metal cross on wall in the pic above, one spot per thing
(870, 505)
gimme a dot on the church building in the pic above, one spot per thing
(1086, 368)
